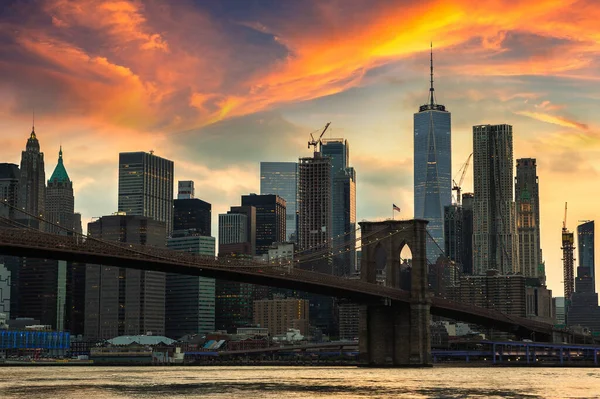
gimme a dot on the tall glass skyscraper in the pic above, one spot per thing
(281, 178)
(432, 166)
(146, 186)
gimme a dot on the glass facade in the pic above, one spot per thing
(146, 186)
(281, 178)
(585, 241)
(190, 300)
(270, 220)
(432, 169)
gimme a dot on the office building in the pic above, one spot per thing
(190, 300)
(233, 302)
(583, 309)
(60, 202)
(467, 233)
(432, 166)
(192, 214)
(315, 233)
(281, 178)
(121, 301)
(495, 239)
(5, 286)
(270, 220)
(32, 182)
(185, 190)
(559, 304)
(343, 205)
(9, 189)
(314, 210)
(146, 187)
(528, 219)
(279, 315)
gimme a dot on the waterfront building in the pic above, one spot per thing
(146, 187)
(432, 166)
(281, 178)
(190, 300)
(122, 301)
(60, 202)
(279, 315)
(495, 239)
(5, 286)
(270, 220)
(528, 219)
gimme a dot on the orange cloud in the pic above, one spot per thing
(557, 120)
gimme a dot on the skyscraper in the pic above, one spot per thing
(60, 203)
(281, 178)
(9, 189)
(190, 300)
(314, 209)
(192, 214)
(121, 301)
(585, 241)
(146, 186)
(32, 182)
(270, 220)
(495, 240)
(343, 205)
(314, 232)
(185, 190)
(432, 165)
(528, 219)
(583, 309)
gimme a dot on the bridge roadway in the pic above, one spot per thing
(36, 244)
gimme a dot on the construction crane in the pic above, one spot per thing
(565, 219)
(313, 142)
(457, 186)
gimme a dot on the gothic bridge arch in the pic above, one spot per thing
(396, 334)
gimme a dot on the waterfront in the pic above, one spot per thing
(296, 382)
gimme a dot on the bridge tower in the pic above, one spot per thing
(394, 334)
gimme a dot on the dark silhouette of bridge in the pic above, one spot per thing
(394, 324)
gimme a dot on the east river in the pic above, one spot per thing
(296, 382)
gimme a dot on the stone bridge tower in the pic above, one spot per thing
(395, 333)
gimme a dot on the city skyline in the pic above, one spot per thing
(522, 76)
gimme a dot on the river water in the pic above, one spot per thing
(296, 382)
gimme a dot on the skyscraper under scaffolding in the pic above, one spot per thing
(495, 241)
(432, 166)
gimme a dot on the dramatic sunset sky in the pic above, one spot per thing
(218, 86)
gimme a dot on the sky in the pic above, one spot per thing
(218, 86)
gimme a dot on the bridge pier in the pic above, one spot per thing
(396, 334)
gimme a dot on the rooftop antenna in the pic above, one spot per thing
(431, 89)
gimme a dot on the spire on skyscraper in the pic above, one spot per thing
(33, 127)
(431, 89)
(60, 173)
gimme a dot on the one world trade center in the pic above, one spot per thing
(432, 167)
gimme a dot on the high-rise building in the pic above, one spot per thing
(121, 301)
(314, 210)
(432, 166)
(190, 300)
(270, 219)
(467, 230)
(528, 219)
(281, 178)
(192, 214)
(32, 182)
(9, 190)
(583, 308)
(146, 187)
(315, 233)
(585, 242)
(60, 202)
(233, 302)
(5, 286)
(250, 244)
(568, 247)
(453, 233)
(185, 190)
(343, 205)
(495, 240)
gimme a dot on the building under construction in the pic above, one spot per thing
(568, 261)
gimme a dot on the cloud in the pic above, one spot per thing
(557, 120)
